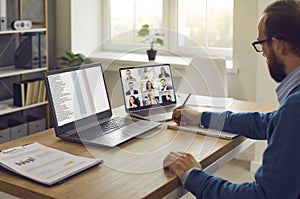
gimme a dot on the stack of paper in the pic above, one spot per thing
(43, 164)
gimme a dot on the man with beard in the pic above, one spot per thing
(279, 176)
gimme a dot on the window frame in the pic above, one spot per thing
(170, 10)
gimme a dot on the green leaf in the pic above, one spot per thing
(70, 54)
(159, 34)
(145, 26)
(159, 41)
(81, 56)
(143, 32)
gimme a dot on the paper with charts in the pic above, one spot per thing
(43, 164)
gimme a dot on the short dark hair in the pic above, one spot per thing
(283, 22)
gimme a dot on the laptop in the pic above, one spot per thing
(81, 110)
(148, 91)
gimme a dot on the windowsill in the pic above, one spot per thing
(130, 59)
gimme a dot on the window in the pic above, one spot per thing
(198, 25)
(129, 15)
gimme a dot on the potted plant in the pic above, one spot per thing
(152, 38)
(71, 59)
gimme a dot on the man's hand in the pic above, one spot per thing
(186, 116)
(179, 162)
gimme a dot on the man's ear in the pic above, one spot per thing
(280, 47)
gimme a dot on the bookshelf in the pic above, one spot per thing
(37, 12)
(12, 71)
(5, 32)
(11, 108)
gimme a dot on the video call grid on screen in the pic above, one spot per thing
(78, 94)
(140, 83)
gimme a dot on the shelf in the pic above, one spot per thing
(23, 31)
(11, 108)
(37, 12)
(12, 71)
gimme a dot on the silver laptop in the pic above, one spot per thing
(148, 91)
(81, 110)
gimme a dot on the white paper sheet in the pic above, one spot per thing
(43, 164)
(204, 101)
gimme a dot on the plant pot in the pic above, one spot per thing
(151, 54)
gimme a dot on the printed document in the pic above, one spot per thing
(44, 164)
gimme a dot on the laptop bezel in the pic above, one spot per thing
(161, 105)
(59, 130)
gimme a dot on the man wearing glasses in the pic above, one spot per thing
(279, 175)
(128, 76)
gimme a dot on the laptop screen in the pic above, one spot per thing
(77, 93)
(147, 86)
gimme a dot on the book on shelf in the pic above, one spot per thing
(36, 85)
(41, 91)
(29, 92)
(43, 164)
(19, 93)
(41, 97)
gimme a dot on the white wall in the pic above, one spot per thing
(63, 26)
(78, 26)
(243, 85)
(253, 81)
(265, 84)
(86, 29)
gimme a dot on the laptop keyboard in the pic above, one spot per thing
(154, 111)
(105, 128)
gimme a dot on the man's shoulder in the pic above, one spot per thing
(291, 103)
(294, 96)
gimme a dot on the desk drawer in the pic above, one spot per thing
(17, 129)
(36, 124)
(4, 135)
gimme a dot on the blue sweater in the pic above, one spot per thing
(279, 175)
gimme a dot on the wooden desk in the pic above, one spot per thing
(132, 170)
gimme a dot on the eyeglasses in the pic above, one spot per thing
(258, 44)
